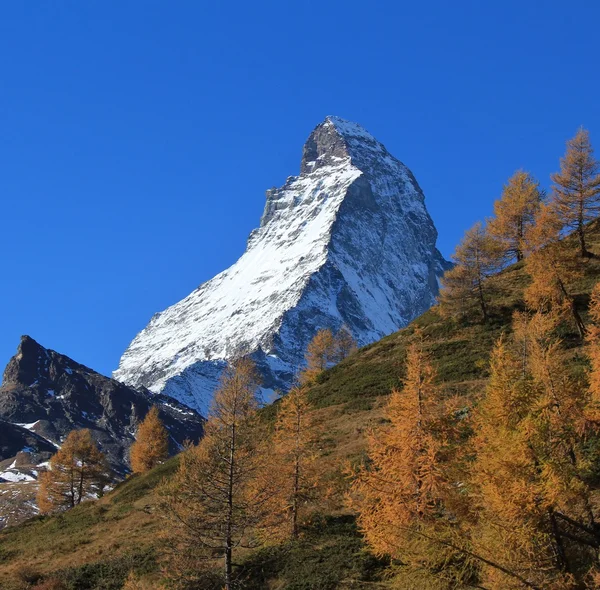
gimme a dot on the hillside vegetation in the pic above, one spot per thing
(97, 544)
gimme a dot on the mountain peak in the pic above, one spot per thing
(336, 141)
(347, 128)
(348, 242)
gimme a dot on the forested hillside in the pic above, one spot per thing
(97, 544)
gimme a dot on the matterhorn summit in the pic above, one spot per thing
(347, 242)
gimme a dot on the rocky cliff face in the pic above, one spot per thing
(347, 242)
(44, 395)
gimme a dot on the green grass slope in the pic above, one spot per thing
(95, 545)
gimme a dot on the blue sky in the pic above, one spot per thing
(138, 138)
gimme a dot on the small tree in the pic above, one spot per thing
(218, 492)
(78, 470)
(576, 188)
(320, 354)
(477, 257)
(291, 464)
(151, 446)
(344, 343)
(514, 213)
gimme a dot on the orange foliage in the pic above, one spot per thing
(576, 188)
(78, 470)
(514, 213)
(218, 493)
(151, 446)
(477, 257)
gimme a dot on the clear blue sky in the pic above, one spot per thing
(138, 137)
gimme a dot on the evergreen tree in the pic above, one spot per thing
(217, 495)
(576, 188)
(77, 470)
(151, 446)
(514, 213)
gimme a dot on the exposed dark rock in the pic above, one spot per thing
(47, 395)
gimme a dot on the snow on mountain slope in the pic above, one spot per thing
(348, 241)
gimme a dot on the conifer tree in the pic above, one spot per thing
(291, 464)
(576, 188)
(400, 492)
(151, 446)
(514, 213)
(320, 354)
(477, 257)
(551, 266)
(344, 344)
(533, 503)
(217, 494)
(77, 470)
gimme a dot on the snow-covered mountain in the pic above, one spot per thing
(347, 242)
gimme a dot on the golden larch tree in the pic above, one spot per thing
(532, 502)
(292, 464)
(78, 470)
(151, 445)
(576, 188)
(320, 354)
(514, 213)
(400, 491)
(551, 266)
(217, 494)
(477, 257)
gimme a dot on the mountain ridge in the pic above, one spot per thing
(49, 394)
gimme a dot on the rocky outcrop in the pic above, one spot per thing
(44, 395)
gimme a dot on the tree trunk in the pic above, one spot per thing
(561, 556)
(482, 301)
(295, 499)
(582, 246)
(578, 321)
(81, 480)
(229, 518)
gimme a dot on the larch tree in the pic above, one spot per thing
(320, 354)
(78, 470)
(551, 266)
(576, 188)
(514, 213)
(344, 344)
(532, 502)
(218, 494)
(151, 445)
(291, 465)
(477, 257)
(400, 491)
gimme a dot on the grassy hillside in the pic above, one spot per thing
(95, 545)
